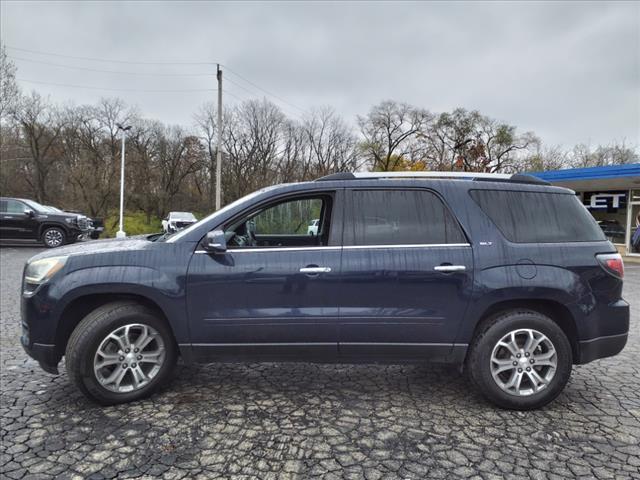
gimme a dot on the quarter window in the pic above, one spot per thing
(536, 217)
(400, 217)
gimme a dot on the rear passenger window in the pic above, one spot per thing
(534, 217)
(400, 217)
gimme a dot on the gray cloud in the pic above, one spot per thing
(568, 71)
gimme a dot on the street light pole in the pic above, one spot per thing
(120, 233)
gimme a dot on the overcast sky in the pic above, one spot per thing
(570, 72)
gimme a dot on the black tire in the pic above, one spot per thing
(490, 333)
(53, 237)
(93, 329)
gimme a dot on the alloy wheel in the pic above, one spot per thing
(53, 238)
(129, 358)
(523, 362)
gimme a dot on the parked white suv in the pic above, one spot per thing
(177, 221)
(312, 229)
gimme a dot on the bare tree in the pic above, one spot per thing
(468, 141)
(91, 150)
(252, 139)
(391, 132)
(205, 120)
(41, 124)
(333, 145)
(613, 154)
(9, 90)
(543, 158)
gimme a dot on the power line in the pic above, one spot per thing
(128, 62)
(252, 93)
(233, 95)
(93, 59)
(265, 91)
(88, 87)
(73, 67)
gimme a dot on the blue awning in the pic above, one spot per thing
(590, 173)
(610, 177)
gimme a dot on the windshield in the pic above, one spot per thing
(36, 206)
(49, 208)
(176, 236)
(182, 216)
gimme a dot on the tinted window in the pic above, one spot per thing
(35, 206)
(13, 206)
(400, 217)
(284, 224)
(535, 217)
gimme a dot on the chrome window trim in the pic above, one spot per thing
(407, 245)
(346, 247)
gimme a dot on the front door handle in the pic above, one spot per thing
(315, 270)
(450, 268)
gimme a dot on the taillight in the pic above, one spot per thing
(612, 263)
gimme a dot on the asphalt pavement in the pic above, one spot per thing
(307, 421)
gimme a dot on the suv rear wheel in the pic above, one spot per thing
(120, 352)
(520, 360)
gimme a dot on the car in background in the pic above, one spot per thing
(96, 225)
(613, 230)
(312, 229)
(176, 221)
(22, 219)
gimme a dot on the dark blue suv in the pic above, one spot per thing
(504, 275)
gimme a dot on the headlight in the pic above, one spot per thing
(42, 270)
(71, 220)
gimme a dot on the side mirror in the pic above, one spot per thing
(29, 213)
(215, 242)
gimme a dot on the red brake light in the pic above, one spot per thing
(612, 263)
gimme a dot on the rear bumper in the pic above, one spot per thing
(601, 347)
(610, 336)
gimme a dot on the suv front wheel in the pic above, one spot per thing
(53, 237)
(120, 352)
(520, 360)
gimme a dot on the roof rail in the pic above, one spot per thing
(458, 175)
(496, 177)
(337, 176)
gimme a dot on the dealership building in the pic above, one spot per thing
(611, 194)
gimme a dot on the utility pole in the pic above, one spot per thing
(219, 149)
(120, 233)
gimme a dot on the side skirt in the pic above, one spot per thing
(388, 353)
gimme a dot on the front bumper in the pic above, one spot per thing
(39, 330)
(45, 355)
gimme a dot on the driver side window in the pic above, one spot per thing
(299, 222)
(13, 206)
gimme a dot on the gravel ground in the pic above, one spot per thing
(314, 421)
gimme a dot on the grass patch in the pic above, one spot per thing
(135, 223)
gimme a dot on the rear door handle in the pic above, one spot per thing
(450, 268)
(312, 270)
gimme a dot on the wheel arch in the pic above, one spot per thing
(555, 310)
(81, 306)
(46, 225)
